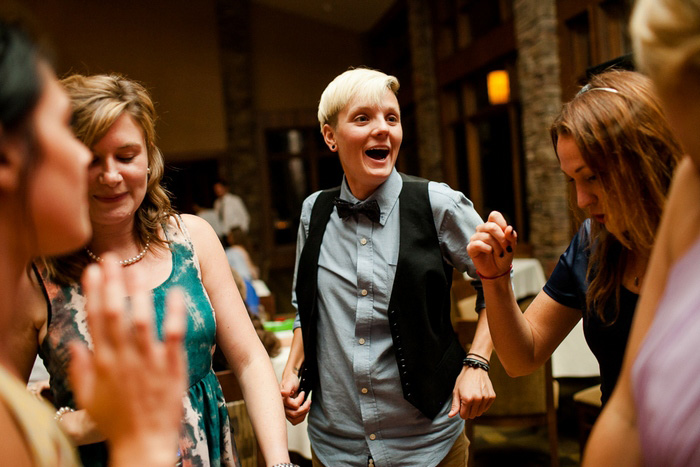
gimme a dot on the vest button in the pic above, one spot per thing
(365, 390)
(364, 292)
(361, 341)
(372, 436)
(363, 241)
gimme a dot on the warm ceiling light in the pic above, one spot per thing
(498, 85)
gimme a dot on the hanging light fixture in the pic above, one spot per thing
(498, 86)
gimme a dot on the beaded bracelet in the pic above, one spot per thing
(479, 356)
(286, 464)
(61, 412)
(474, 363)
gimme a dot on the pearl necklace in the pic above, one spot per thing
(124, 262)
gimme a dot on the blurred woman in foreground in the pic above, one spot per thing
(655, 410)
(44, 211)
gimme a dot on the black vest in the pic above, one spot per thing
(427, 350)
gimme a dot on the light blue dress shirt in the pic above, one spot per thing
(358, 409)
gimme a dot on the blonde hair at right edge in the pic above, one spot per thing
(666, 38)
(365, 83)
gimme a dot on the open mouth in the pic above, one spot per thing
(377, 154)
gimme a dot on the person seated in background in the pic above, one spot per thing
(374, 267)
(239, 259)
(230, 209)
(44, 211)
(269, 340)
(209, 215)
(653, 417)
(618, 154)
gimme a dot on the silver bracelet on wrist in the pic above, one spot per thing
(62, 411)
(286, 464)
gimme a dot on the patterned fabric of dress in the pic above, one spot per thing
(206, 437)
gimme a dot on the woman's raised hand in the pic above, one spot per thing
(492, 247)
(131, 384)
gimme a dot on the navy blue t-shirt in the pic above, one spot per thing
(568, 285)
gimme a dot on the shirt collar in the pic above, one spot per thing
(387, 194)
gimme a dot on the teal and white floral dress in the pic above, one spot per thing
(206, 437)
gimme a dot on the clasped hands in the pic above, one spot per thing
(295, 407)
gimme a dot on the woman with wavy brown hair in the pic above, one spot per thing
(131, 216)
(618, 154)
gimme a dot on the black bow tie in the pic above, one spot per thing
(368, 208)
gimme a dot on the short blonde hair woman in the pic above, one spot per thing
(365, 84)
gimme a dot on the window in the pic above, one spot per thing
(299, 163)
(591, 32)
(483, 137)
(475, 48)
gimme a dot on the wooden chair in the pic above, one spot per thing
(229, 385)
(520, 402)
(241, 428)
(243, 434)
(588, 407)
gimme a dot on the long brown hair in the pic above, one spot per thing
(98, 101)
(619, 126)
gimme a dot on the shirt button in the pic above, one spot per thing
(363, 241)
(364, 391)
(364, 292)
(372, 436)
(361, 341)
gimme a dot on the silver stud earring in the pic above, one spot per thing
(148, 170)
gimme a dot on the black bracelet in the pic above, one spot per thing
(479, 356)
(474, 363)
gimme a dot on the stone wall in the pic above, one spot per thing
(425, 90)
(240, 165)
(540, 95)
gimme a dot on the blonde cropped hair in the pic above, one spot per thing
(365, 83)
(666, 38)
(98, 101)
